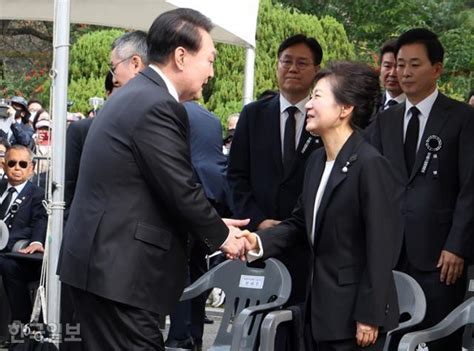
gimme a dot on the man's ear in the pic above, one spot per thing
(179, 56)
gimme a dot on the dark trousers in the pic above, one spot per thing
(188, 318)
(441, 299)
(16, 275)
(110, 325)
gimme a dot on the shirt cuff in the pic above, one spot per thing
(36, 242)
(254, 255)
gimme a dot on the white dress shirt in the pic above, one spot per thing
(399, 99)
(18, 189)
(299, 117)
(320, 193)
(425, 107)
(171, 89)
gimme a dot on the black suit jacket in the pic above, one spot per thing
(75, 139)
(353, 248)
(207, 158)
(30, 220)
(437, 203)
(259, 185)
(136, 200)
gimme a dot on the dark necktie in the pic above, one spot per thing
(390, 103)
(289, 138)
(6, 202)
(411, 138)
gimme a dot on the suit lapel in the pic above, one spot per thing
(393, 147)
(3, 187)
(304, 145)
(151, 74)
(316, 172)
(346, 157)
(274, 132)
(436, 121)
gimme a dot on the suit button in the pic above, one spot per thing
(409, 187)
(386, 308)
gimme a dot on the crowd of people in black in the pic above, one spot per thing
(339, 180)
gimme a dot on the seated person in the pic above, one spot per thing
(23, 212)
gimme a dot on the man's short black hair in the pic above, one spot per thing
(425, 37)
(109, 83)
(311, 43)
(173, 29)
(389, 46)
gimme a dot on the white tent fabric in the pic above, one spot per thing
(235, 21)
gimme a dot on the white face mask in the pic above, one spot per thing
(32, 116)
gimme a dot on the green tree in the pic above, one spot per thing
(275, 23)
(88, 66)
(369, 23)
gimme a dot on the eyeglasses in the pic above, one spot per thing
(299, 64)
(113, 67)
(22, 164)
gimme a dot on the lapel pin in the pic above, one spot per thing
(349, 162)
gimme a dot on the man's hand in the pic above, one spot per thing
(451, 267)
(32, 248)
(251, 238)
(267, 223)
(366, 334)
(234, 247)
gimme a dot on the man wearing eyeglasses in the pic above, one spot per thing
(128, 57)
(270, 147)
(22, 210)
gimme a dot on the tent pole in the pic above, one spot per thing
(59, 110)
(249, 74)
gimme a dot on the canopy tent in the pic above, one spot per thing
(235, 20)
(235, 24)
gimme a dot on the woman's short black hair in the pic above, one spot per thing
(354, 84)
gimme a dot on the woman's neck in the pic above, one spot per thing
(335, 140)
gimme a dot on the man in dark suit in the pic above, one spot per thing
(124, 248)
(270, 148)
(429, 142)
(127, 58)
(23, 212)
(209, 164)
(393, 93)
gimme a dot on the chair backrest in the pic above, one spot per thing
(246, 286)
(411, 299)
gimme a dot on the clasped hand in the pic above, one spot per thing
(238, 242)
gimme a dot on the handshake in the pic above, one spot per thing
(238, 242)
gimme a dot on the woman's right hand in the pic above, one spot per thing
(366, 334)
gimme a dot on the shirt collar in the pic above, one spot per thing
(169, 85)
(284, 104)
(400, 98)
(19, 188)
(424, 105)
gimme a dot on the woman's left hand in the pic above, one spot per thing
(366, 334)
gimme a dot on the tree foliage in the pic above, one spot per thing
(88, 66)
(369, 23)
(275, 23)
